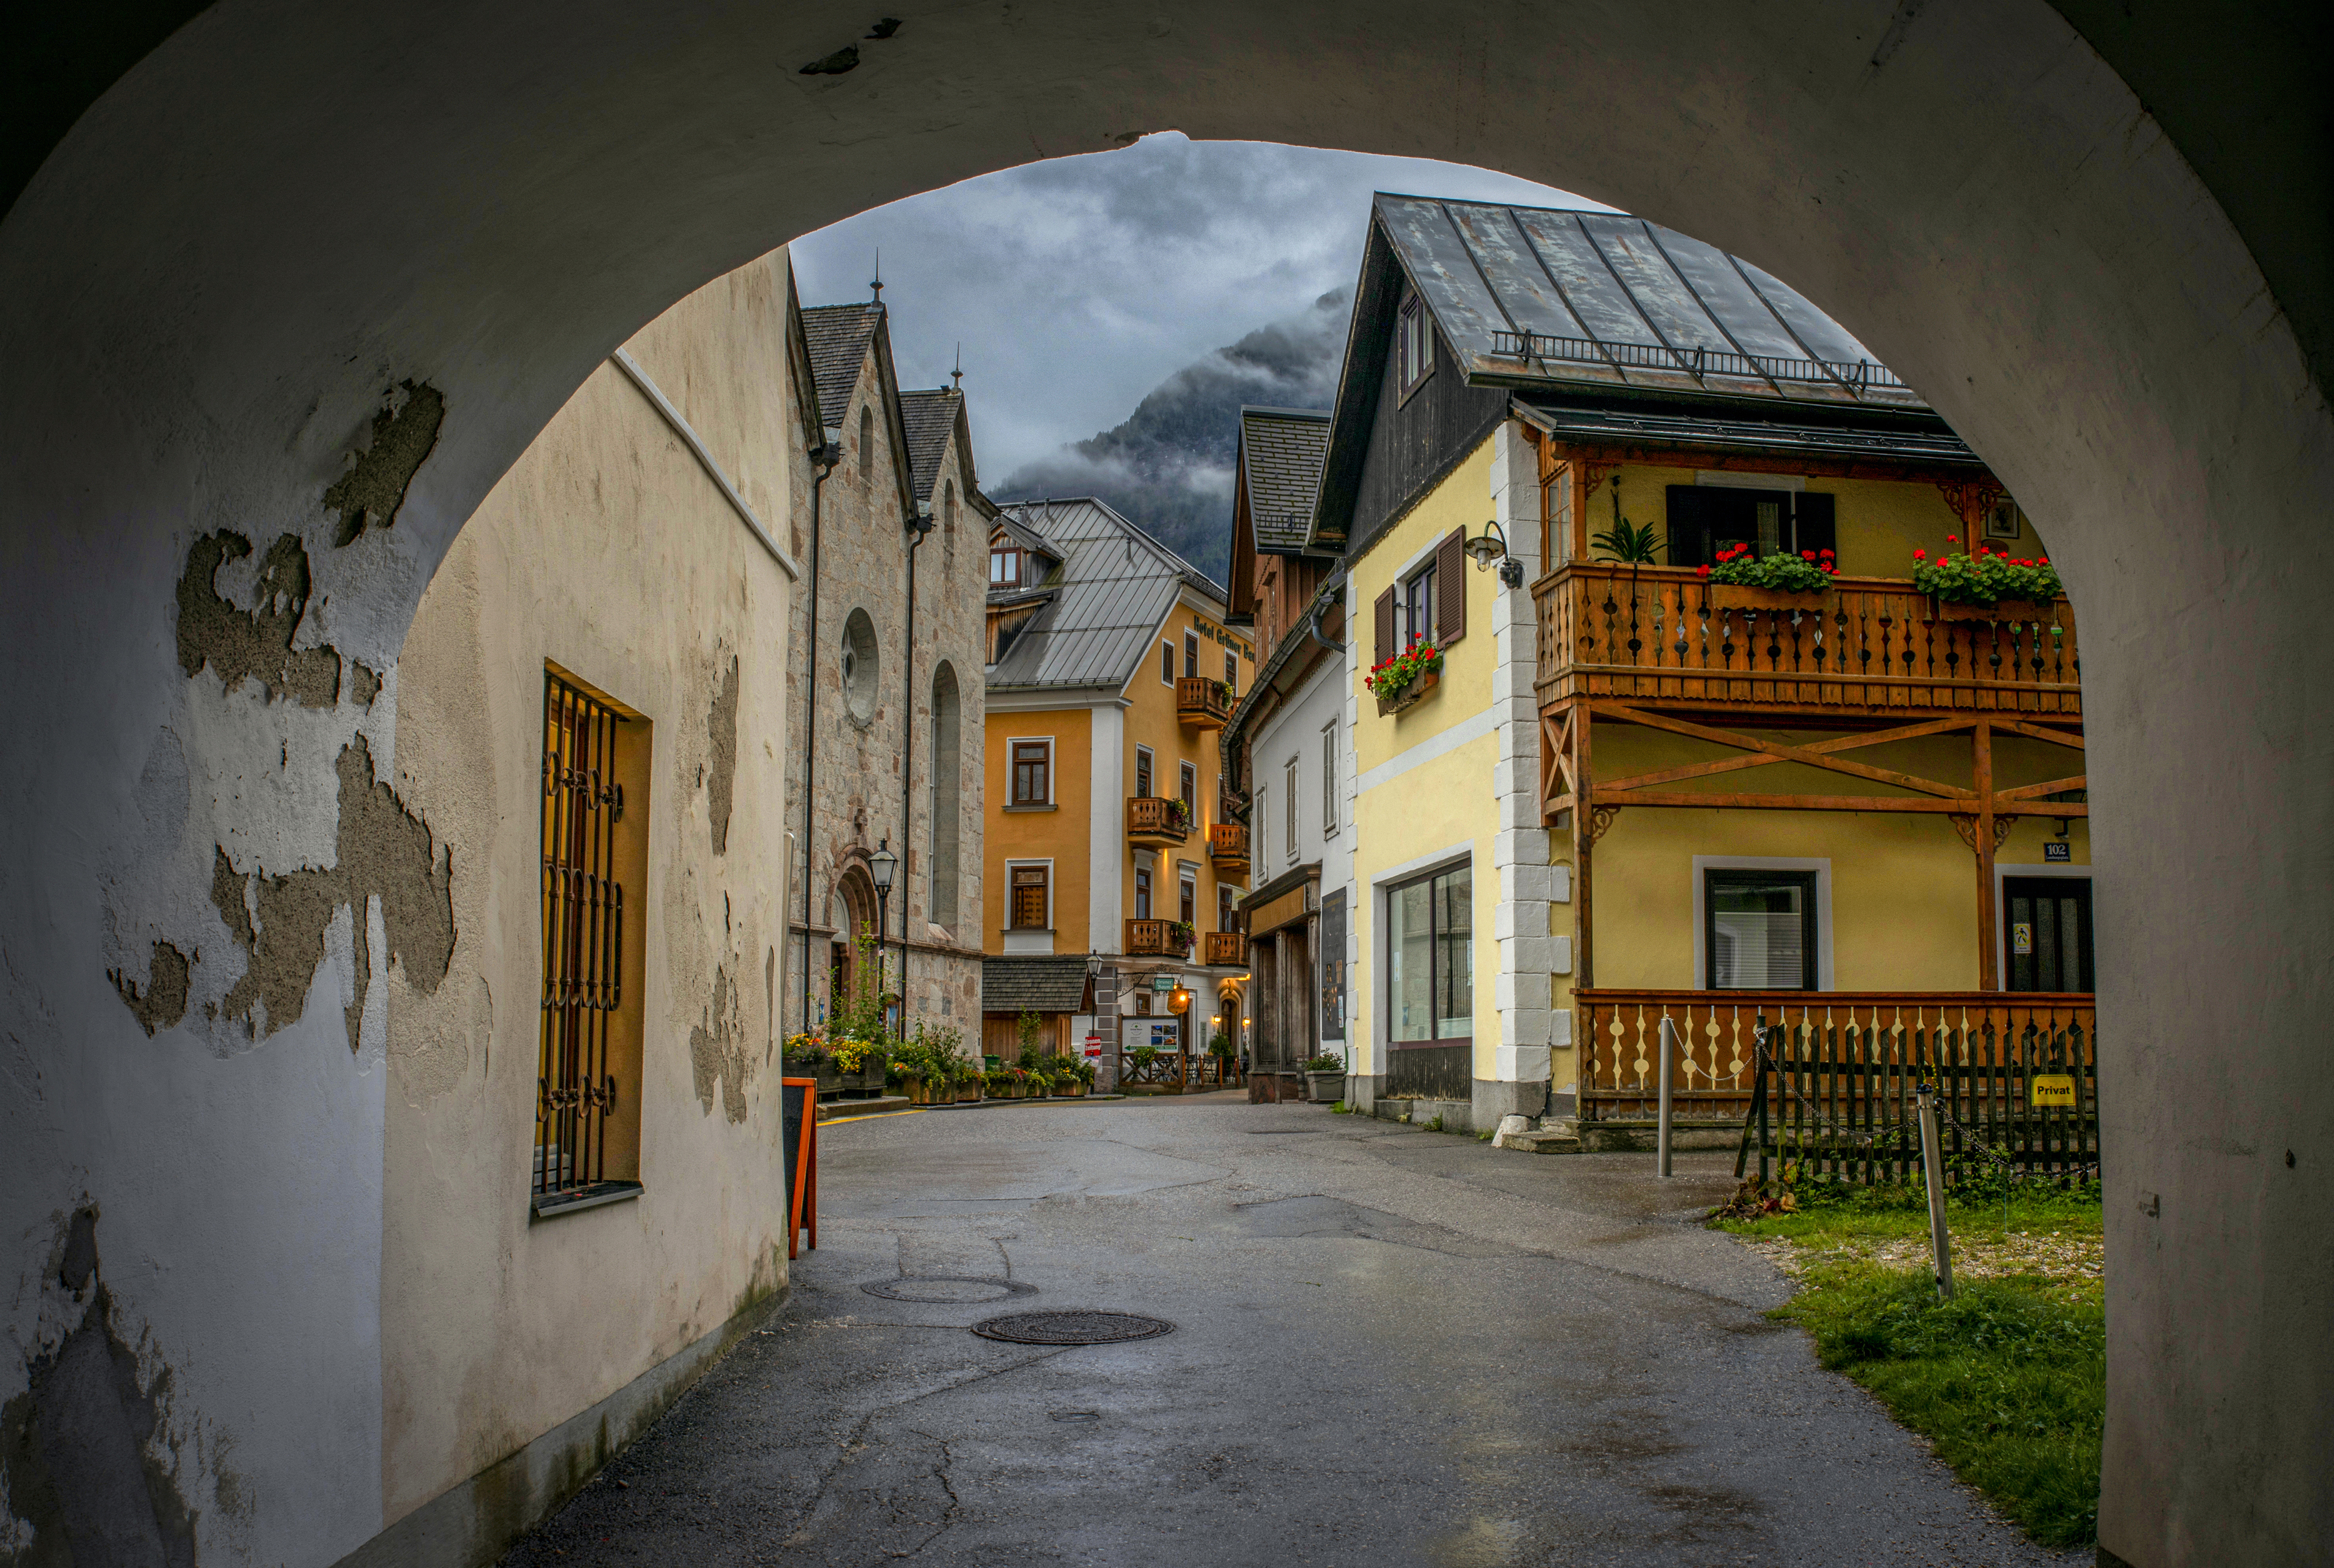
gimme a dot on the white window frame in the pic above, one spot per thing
(1329, 780)
(1053, 759)
(1295, 781)
(1820, 865)
(1051, 890)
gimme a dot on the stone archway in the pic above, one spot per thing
(285, 239)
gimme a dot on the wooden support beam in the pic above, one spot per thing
(1605, 795)
(1584, 930)
(1821, 756)
(2057, 786)
(1989, 978)
(2041, 732)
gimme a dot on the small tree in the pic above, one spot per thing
(1029, 1029)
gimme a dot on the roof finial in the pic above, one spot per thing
(956, 377)
(878, 283)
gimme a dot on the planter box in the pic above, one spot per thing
(969, 1094)
(1732, 596)
(830, 1078)
(1325, 1088)
(1426, 681)
(2004, 610)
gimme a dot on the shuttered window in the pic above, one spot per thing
(1451, 601)
(1383, 612)
(1029, 913)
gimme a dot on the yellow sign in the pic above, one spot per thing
(2021, 938)
(2051, 1088)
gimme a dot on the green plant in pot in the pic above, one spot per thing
(1631, 543)
(1984, 577)
(1741, 566)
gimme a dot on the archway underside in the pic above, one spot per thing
(278, 226)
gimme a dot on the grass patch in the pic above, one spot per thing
(2009, 1378)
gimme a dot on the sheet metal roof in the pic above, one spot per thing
(1115, 586)
(1902, 446)
(930, 417)
(1033, 983)
(1280, 454)
(838, 336)
(1538, 296)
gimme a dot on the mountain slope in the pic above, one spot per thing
(1169, 466)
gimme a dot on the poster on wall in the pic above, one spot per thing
(1333, 966)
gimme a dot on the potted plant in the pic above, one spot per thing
(968, 1084)
(1777, 581)
(1143, 1056)
(1040, 1079)
(1220, 1048)
(1985, 584)
(808, 1057)
(1181, 934)
(1401, 679)
(1179, 811)
(1325, 1079)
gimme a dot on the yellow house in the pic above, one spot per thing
(1110, 670)
(1619, 789)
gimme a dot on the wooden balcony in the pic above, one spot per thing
(1155, 939)
(1228, 850)
(1157, 822)
(1662, 637)
(1224, 949)
(1202, 703)
(1844, 1066)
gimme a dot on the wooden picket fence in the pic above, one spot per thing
(1829, 1079)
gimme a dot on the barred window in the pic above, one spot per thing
(588, 1107)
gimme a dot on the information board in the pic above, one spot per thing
(799, 1127)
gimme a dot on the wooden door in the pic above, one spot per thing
(2046, 924)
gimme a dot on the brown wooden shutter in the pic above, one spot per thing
(1385, 628)
(1451, 588)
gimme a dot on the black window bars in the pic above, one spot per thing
(583, 941)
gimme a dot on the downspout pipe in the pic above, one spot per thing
(829, 453)
(919, 526)
(1320, 603)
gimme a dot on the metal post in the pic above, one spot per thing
(1933, 1167)
(1662, 1143)
(1766, 1065)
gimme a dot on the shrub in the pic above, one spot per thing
(1325, 1062)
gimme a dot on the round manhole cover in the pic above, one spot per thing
(1071, 1328)
(958, 1290)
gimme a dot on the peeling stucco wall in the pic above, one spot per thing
(605, 550)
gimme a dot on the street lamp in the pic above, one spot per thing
(882, 865)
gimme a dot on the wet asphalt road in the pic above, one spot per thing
(1393, 1347)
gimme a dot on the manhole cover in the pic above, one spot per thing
(959, 1290)
(1071, 1328)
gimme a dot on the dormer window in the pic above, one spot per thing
(1005, 569)
(1413, 344)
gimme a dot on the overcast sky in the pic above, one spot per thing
(1078, 285)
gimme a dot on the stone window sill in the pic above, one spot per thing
(552, 1206)
(1043, 808)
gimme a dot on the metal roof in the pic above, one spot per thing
(1902, 446)
(1115, 586)
(1538, 296)
(838, 336)
(1280, 454)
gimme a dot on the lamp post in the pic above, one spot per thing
(881, 866)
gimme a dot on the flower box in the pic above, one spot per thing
(968, 1094)
(2003, 609)
(1733, 596)
(1425, 681)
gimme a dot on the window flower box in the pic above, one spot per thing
(1732, 596)
(1410, 695)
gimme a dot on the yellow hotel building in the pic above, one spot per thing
(1110, 672)
(1631, 793)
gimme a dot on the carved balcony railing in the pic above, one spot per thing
(1844, 1067)
(1157, 939)
(1227, 949)
(1202, 703)
(1156, 822)
(1228, 850)
(1663, 636)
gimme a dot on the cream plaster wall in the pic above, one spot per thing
(607, 551)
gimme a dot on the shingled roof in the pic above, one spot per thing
(932, 418)
(1034, 983)
(838, 336)
(1280, 453)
